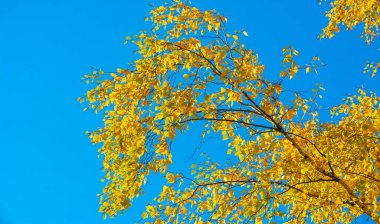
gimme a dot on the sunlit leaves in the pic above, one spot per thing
(371, 68)
(350, 13)
(284, 162)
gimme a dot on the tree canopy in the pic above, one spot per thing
(285, 161)
(350, 13)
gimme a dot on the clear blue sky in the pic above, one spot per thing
(49, 171)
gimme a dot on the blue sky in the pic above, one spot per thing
(49, 171)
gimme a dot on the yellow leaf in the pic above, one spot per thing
(278, 89)
(308, 69)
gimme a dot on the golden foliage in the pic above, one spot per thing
(350, 13)
(285, 162)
